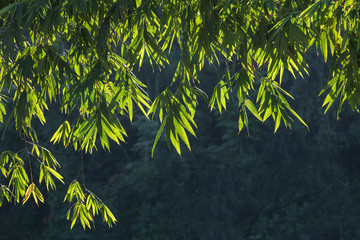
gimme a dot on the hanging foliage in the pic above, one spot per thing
(82, 55)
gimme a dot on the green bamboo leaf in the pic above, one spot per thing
(92, 203)
(57, 135)
(185, 123)
(8, 7)
(41, 174)
(260, 91)
(158, 134)
(112, 131)
(309, 10)
(104, 140)
(36, 150)
(73, 221)
(323, 45)
(108, 216)
(172, 134)
(249, 105)
(278, 120)
(4, 192)
(49, 158)
(298, 117)
(330, 84)
(38, 194)
(332, 95)
(277, 87)
(267, 113)
(23, 175)
(220, 95)
(241, 121)
(74, 190)
(278, 26)
(55, 174)
(28, 192)
(180, 130)
(130, 107)
(84, 127)
(84, 216)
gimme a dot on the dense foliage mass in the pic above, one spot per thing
(80, 57)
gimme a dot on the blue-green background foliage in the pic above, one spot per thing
(293, 184)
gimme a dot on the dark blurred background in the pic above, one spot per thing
(295, 184)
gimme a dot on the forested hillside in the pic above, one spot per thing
(294, 184)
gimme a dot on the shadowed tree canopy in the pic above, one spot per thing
(80, 57)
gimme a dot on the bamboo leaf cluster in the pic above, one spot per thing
(81, 56)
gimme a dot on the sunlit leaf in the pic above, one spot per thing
(249, 105)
